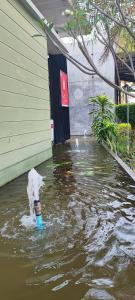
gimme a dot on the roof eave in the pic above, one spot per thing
(33, 10)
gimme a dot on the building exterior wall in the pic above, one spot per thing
(25, 134)
(82, 86)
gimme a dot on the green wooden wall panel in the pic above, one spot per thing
(7, 38)
(18, 59)
(9, 129)
(12, 21)
(25, 133)
(9, 69)
(20, 114)
(17, 86)
(14, 157)
(32, 24)
(17, 100)
(16, 142)
(14, 171)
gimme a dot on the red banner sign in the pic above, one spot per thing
(64, 89)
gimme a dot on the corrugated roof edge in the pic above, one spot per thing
(33, 10)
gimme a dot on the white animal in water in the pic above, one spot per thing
(35, 182)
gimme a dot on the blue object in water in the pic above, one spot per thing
(39, 222)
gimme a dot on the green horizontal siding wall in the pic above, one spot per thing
(25, 134)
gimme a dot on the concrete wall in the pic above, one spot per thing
(82, 86)
(25, 134)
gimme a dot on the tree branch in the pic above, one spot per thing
(124, 19)
(123, 25)
(80, 66)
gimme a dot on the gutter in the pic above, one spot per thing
(33, 10)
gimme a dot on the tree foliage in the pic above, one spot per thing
(121, 113)
(112, 23)
(104, 126)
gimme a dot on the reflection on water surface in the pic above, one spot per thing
(87, 250)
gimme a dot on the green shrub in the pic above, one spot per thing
(124, 138)
(121, 113)
(105, 131)
(124, 128)
(104, 127)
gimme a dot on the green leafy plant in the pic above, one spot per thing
(102, 107)
(121, 113)
(124, 141)
(124, 128)
(104, 126)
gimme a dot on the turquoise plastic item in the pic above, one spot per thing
(39, 222)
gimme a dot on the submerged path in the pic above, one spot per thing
(88, 248)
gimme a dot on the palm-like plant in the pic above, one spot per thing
(101, 107)
(104, 126)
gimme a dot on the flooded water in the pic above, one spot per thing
(87, 250)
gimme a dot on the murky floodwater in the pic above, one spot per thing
(87, 250)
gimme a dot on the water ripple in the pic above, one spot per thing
(88, 244)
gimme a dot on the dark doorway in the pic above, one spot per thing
(59, 114)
